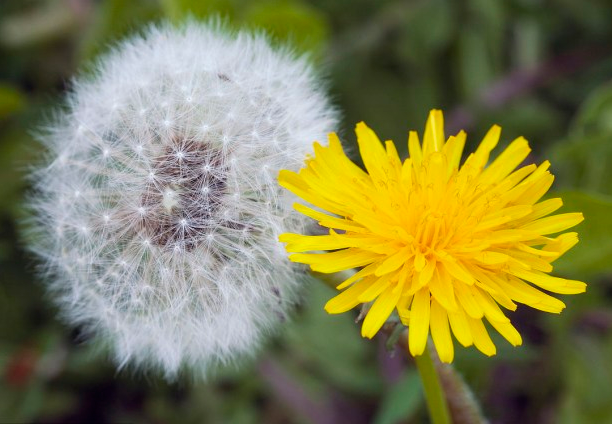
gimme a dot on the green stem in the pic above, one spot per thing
(434, 395)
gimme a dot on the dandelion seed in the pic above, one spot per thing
(166, 249)
(442, 244)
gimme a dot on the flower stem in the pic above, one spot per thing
(434, 395)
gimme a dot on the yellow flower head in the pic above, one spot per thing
(442, 244)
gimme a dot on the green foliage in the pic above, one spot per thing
(401, 401)
(303, 26)
(584, 159)
(427, 30)
(346, 363)
(177, 10)
(115, 19)
(11, 100)
(539, 70)
(593, 254)
(589, 372)
(292, 22)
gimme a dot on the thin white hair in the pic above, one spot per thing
(158, 211)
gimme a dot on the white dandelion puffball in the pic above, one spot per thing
(158, 212)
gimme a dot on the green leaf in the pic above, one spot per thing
(517, 119)
(401, 401)
(16, 150)
(595, 113)
(332, 344)
(491, 16)
(585, 163)
(475, 64)
(11, 100)
(114, 20)
(593, 254)
(176, 10)
(428, 29)
(587, 374)
(528, 44)
(584, 159)
(303, 26)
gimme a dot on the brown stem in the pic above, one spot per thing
(462, 404)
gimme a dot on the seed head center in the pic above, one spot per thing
(183, 198)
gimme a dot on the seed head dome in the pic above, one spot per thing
(158, 211)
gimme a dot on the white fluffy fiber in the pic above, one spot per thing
(158, 212)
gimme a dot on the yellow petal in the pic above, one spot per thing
(536, 252)
(489, 307)
(544, 208)
(300, 243)
(536, 190)
(510, 236)
(342, 162)
(441, 288)
(506, 187)
(467, 301)
(294, 183)
(419, 261)
(489, 284)
(402, 308)
(561, 244)
(373, 222)
(419, 322)
(349, 298)
(406, 177)
(505, 163)
(530, 261)
(457, 270)
(433, 139)
(482, 341)
(503, 216)
(461, 327)
(481, 156)
(489, 257)
(550, 283)
(437, 167)
(554, 224)
(329, 221)
(522, 292)
(335, 261)
(379, 312)
(440, 333)
(373, 154)
(393, 158)
(453, 150)
(427, 272)
(364, 272)
(394, 261)
(375, 289)
(508, 331)
(414, 149)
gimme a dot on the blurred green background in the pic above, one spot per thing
(539, 68)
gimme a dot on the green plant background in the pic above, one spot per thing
(539, 68)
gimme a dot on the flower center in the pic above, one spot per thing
(182, 195)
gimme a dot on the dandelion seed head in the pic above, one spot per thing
(166, 248)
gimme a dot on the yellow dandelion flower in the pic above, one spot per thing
(442, 244)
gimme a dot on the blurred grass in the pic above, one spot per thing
(539, 69)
